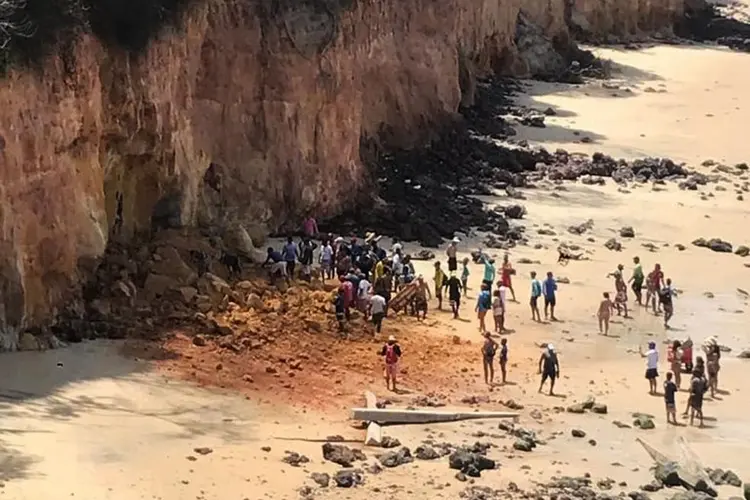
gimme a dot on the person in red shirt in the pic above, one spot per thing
(654, 283)
(348, 289)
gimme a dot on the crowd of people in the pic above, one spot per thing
(704, 376)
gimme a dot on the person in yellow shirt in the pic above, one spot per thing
(379, 270)
(440, 280)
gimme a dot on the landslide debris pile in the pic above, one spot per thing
(430, 193)
(142, 290)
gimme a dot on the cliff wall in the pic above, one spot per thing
(247, 112)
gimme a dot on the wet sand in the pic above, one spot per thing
(104, 427)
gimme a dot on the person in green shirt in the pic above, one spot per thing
(637, 279)
(489, 272)
(465, 275)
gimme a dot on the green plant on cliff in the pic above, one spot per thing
(32, 29)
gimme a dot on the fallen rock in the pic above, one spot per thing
(577, 433)
(468, 462)
(576, 408)
(627, 232)
(389, 442)
(425, 452)
(643, 421)
(347, 478)
(395, 458)
(321, 478)
(742, 251)
(613, 244)
(514, 211)
(342, 455)
(719, 245)
(599, 408)
(744, 354)
(522, 444)
(294, 459)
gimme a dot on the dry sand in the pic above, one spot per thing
(86, 423)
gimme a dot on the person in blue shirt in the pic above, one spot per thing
(276, 260)
(484, 304)
(536, 292)
(549, 288)
(489, 272)
(290, 252)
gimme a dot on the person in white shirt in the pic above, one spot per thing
(363, 295)
(377, 310)
(652, 365)
(326, 261)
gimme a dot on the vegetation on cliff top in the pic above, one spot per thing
(30, 29)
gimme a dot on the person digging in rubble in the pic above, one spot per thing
(420, 298)
(348, 289)
(339, 306)
(391, 353)
(276, 263)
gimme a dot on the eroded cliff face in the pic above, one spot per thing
(242, 115)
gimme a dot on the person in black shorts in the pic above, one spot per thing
(697, 390)
(488, 357)
(503, 357)
(451, 253)
(549, 368)
(670, 389)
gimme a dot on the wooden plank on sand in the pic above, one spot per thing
(374, 432)
(396, 416)
(403, 297)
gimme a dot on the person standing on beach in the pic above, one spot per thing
(621, 291)
(549, 289)
(697, 390)
(484, 304)
(713, 355)
(654, 283)
(450, 252)
(549, 368)
(666, 295)
(670, 388)
(465, 275)
(503, 357)
(391, 353)
(652, 364)
(439, 279)
(489, 347)
(505, 277)
(674, 358)
(310, 227)
(454, 293)
(604, 313)
(536, 292)
(489, 272)
(498, 311)
(636, 280)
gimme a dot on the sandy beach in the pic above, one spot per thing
(91, 424)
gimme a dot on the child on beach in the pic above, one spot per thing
(465, 275)
(503, 357)
(498, 311)
(604, 313)
(670, 389)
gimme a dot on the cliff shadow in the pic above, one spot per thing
(94, 378)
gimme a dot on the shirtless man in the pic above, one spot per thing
(420, 298)
(549, 368)
(450, 252)
(654, 283)
(604, 313)
(505, 277)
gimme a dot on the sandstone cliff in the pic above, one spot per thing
(242, 114)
